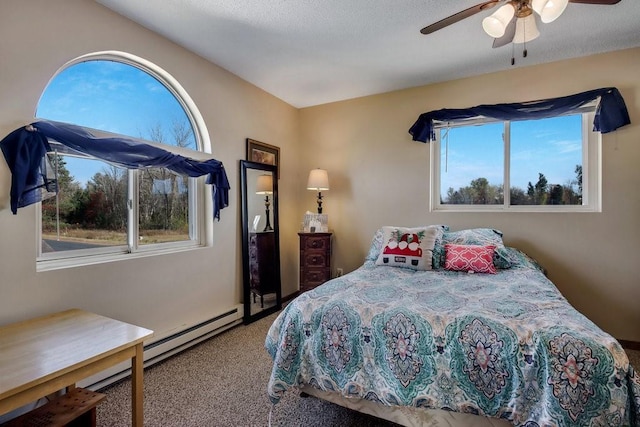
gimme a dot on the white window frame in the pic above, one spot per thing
(200, 200)
(591, 173)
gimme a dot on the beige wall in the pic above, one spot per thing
(380, 177)
(164, 293)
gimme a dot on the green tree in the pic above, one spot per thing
(531, 193)
(164, 200)
(64, 202)
(518, 196)
(541, 189)
(578, 172)
(538, 193)
(107, 208)
(103, 203)
(556, 193)
(480, 191)
(454, 197)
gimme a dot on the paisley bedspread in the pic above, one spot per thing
(505, 345)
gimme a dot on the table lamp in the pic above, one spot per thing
(264, 186)
(318, 181)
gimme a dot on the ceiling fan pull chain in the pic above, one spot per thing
(513, 55)
(524, 42)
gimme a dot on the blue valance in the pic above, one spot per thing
(611, 112)
(25, 151)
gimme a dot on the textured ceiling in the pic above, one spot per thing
(310, 52)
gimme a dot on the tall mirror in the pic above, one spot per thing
(260, 242)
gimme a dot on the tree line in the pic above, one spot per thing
(102, 202)
(481, 192)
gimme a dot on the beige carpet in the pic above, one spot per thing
(222, 382)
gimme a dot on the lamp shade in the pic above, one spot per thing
(496, 24)
(318, 180)
(549, 10)
(526, 29)
(264, 185)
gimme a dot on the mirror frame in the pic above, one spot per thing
(246, 165)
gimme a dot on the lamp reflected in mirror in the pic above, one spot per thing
(264, 186)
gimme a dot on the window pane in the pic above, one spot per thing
(90, 211)
(164, 207)
(546, 161)
(117, 98)
(472, 165)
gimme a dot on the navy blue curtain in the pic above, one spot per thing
(31, 180)
(611, 112)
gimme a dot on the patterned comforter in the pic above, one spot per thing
(504, 345)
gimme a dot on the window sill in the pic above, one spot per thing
(519, 209)
(82, 261)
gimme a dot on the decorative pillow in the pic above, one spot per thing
(520, 259)
(479, 237)
(408, 247)
(437, 259)
(375, 247)
(478, 259)
(376, 244)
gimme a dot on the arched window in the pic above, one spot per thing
(102, 209)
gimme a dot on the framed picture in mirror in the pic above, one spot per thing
(261, 152)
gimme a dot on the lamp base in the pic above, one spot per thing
(319, 202)
(267, 226)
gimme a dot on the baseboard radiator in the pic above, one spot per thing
(168, 346)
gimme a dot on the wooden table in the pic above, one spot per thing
(43, 355)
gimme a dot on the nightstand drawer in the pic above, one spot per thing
(313, 243)
(315, 259)
(316, 275)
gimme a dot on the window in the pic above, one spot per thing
(103, 210)
(548, 164)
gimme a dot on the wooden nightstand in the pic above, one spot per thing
(315, 259)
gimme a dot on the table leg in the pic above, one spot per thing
(137, 387)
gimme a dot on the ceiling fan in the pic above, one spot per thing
(514, 21)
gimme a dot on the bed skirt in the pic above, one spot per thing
(407, 416)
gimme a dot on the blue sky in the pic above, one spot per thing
(477, 151)
(122, 99)
(113, 97)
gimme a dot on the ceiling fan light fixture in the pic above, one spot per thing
(526, 29)
(496, 24)
(549, 10)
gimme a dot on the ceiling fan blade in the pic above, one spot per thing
(605, 2)
(509, 34)
(459, 16)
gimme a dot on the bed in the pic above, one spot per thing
(432, 344)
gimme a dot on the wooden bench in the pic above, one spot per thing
(76, 408)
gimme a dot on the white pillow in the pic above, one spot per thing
(408, 247)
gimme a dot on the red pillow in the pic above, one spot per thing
(478, 259)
